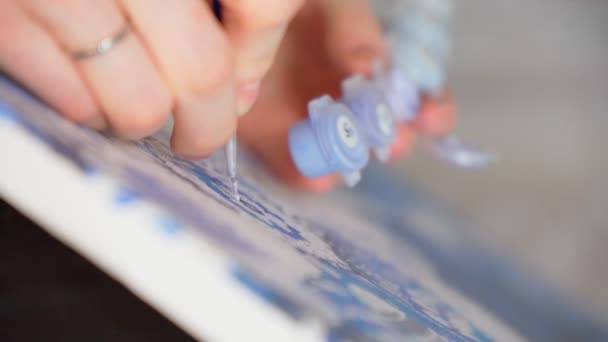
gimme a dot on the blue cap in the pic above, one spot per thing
(420, 67)
(328, 141)
(400, 92)
(374, 116)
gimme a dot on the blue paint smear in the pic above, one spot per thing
(6, 111)
(169, 226)
(126, 196)
(267, 293)
(247, 204)
(183, 208)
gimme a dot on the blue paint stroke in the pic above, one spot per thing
(170, 226)
(269, 294)
(126, 196)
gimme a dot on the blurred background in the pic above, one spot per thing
(531, 80)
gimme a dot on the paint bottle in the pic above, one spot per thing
(400, 92)
(329, 141)
(373, 113)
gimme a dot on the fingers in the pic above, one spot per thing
(184, 65)
(197, 62)
(437, 115)
(354, 37)
(53, 78)
(255, 29)
(124, 80)
(405, 141)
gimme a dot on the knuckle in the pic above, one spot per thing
(143, 115)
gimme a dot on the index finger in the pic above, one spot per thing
(255, 28)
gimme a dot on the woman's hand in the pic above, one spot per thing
(169, 57)
(177, 57)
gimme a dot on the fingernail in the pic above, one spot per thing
(246, 95)
(361, 60)
(436, 119)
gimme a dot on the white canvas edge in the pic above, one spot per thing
(185, 278)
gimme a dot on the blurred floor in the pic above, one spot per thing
(531, 80)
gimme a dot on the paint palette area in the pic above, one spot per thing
(380, 263)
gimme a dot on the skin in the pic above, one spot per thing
(180, 60)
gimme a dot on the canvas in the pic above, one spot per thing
(380, 263)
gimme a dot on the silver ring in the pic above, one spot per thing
(103, 45)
